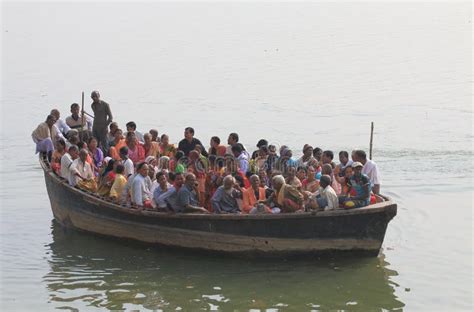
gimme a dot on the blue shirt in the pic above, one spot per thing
(186, 196)
(225, 202)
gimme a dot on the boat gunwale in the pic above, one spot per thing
(97, 200)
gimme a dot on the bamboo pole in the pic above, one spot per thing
(371, 139)
(82, 118)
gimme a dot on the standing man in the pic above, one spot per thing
(102, 119)
(369, 168)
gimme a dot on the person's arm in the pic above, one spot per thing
(109, 113)
(374, 174)
(65, 126)
(161, 199)
(184, 200)
(203, 152)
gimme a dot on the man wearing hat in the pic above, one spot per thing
(359, 188)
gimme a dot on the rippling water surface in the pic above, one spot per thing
(292, 73)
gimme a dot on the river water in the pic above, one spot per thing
(292, 73)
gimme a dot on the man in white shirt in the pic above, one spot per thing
(140, 193)
(75, 120)
(327, 198)
(66, 162)
(60, 124)
(80, 169)
(370, 169)
(126, 162)
(241, 157)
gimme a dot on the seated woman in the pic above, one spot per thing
(310, 184)
(117, 189)
(167, 149)
(59, 151)
(254, 195)
(117, 144)
(96, 154)
(151, 147)
(106, 177)
(262, 157)
(136, 152)
(216, 148)
(292, 180)
(301, 173)
(286, 197)
(164, 164)
(178, 163)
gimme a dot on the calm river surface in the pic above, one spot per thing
(291, 73)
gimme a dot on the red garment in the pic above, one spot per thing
(220, 150)
(56, 167)
(137, 155)
(246, 181)
(373, 199)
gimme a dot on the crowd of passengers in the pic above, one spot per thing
(145, 170)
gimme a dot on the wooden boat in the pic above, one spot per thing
(360, 230)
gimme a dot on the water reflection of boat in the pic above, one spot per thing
(355, 230)
(88, 272)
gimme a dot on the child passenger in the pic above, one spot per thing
(327, 198)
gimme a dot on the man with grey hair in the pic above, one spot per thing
(66, 162)
(224, 199)
(187, 200)
(80, 169)
(60, 124)
(102, 119)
